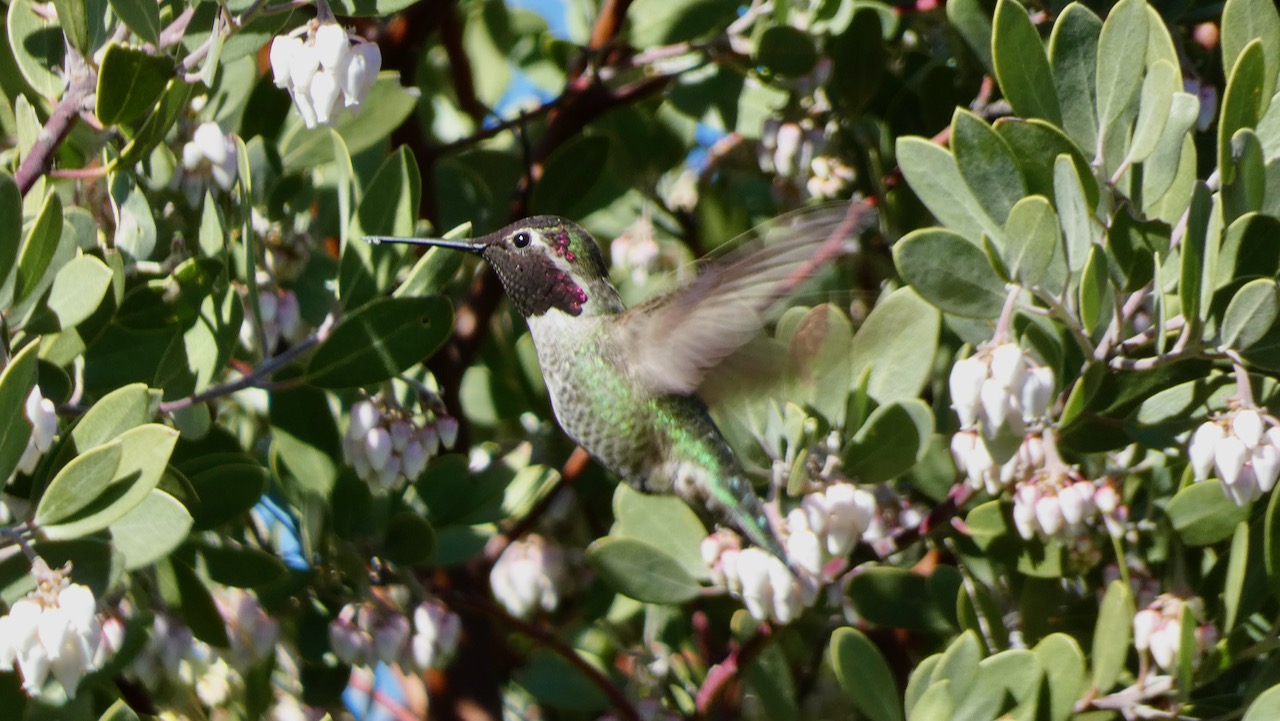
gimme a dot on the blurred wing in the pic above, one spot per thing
(673, 340)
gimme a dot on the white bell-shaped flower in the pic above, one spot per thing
(1203, 448)
(378, 447)
(1036, 393)
(1248, 427)
(361, 73)
(1008, 365)
(325, 96)
(1266, 465)
(283, 50)
(1229, 457)
(965, 384)
(332, 45)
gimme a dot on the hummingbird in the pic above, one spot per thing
(623, 381)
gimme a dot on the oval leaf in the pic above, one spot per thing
(950, 272)
(1250, 314)
(151, 530)
(864, 675)
(1203, 514)
(380, 340)
(640, 571)
(78, 484)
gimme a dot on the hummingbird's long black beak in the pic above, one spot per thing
(470, 245)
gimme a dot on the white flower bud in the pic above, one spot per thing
(364, 417)
(961, 447)
(436, 632)
(816, 510)
(283, 50)
(788, 142)
(1008, 365)
(1165, 641)
(995, 406)
(191, 156)
(980, 466)
(1247, 426)
(788, 601)
(1072, 505)
(447, 427)
(1144, 624)
(1245, 488)
(389, 637)
(1049, 515)
(325, 96)
(803, 547)
(389, 476)
(1036, 392)
(302, 99)
(413, 459)
(1107, 499)
(211, 141)
(1024, 519)
(965, 384)
(757, 594)
(430, 439)
(1229, 456)
(351, 645)
(361, 73)
(401, 432)
(378, 447)
(1266, 465)
(1203, 447)
(332, 45)
(267, 306)
(306, 62)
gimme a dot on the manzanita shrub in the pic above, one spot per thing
(1021, 445)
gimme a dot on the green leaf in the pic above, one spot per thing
(410, 539)
(1271, 544)
(1021, 65)
(988, 166)
(226, 492)
(971, 19)
(135, 224)
(1111, 636)
(1202, 513)
(894, 438)
(937, 702)
(553, 681)
(184, 591)
(1265, 707)
(864, 675)
(1242, 103)
(950, 272)
(818, 361)
(15, 385)
(896, 344)
(1244, 21)
(1195, 270)
(959, 663)
(368, 8)
(144, 452)
(640, 571)
(380, 340)
(786, 51)
(151, 530)
(896, 598)
(1246, 193)
(141, 16)
(1009, 680)
(130, 83)
(78, 484)
(659, 22)
(1233, 584)
(196, 356)
(306, 438)
(1122, 48)
(391, 200)
(10, 225)
(1250, 314)
(40, 246)
(571, 171)
(1155, 101)
(1174, 147)
(1031, 237)
(1073, 55)
(77, 291)
(1063, 663)
(75, 24)
(931, 170)
(241, 566)
(38, 46)
(664, 522)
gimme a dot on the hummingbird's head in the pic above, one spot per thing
(545, 262)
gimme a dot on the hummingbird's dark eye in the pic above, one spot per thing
(521, 239)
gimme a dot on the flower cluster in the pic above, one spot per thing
(770, 591)
(388, 449)
(211, 153)
(636, 251)
(368, 633)
(54, 630)
(1243, 447)
(973, 458)
(287, 248)
(251, 631)
(169, 644)
(281, 320)
(1057, 505)
(44, 428)
(999, 388)
(529, 575)
(323, 70)
(1158, 629)
(797, 153)
(828, 524)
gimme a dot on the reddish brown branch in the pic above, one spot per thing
(39, 159)
(722, 674)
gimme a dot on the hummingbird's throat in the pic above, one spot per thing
(536, 284)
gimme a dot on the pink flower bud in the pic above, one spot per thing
(447, 427)
(1107, 499)
(1072, 505)
(414, 460)
(401, 432)
(1049, 515)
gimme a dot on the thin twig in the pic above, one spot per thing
(83, 83)
(720, 675)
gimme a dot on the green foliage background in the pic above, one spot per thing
(1104, 179)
